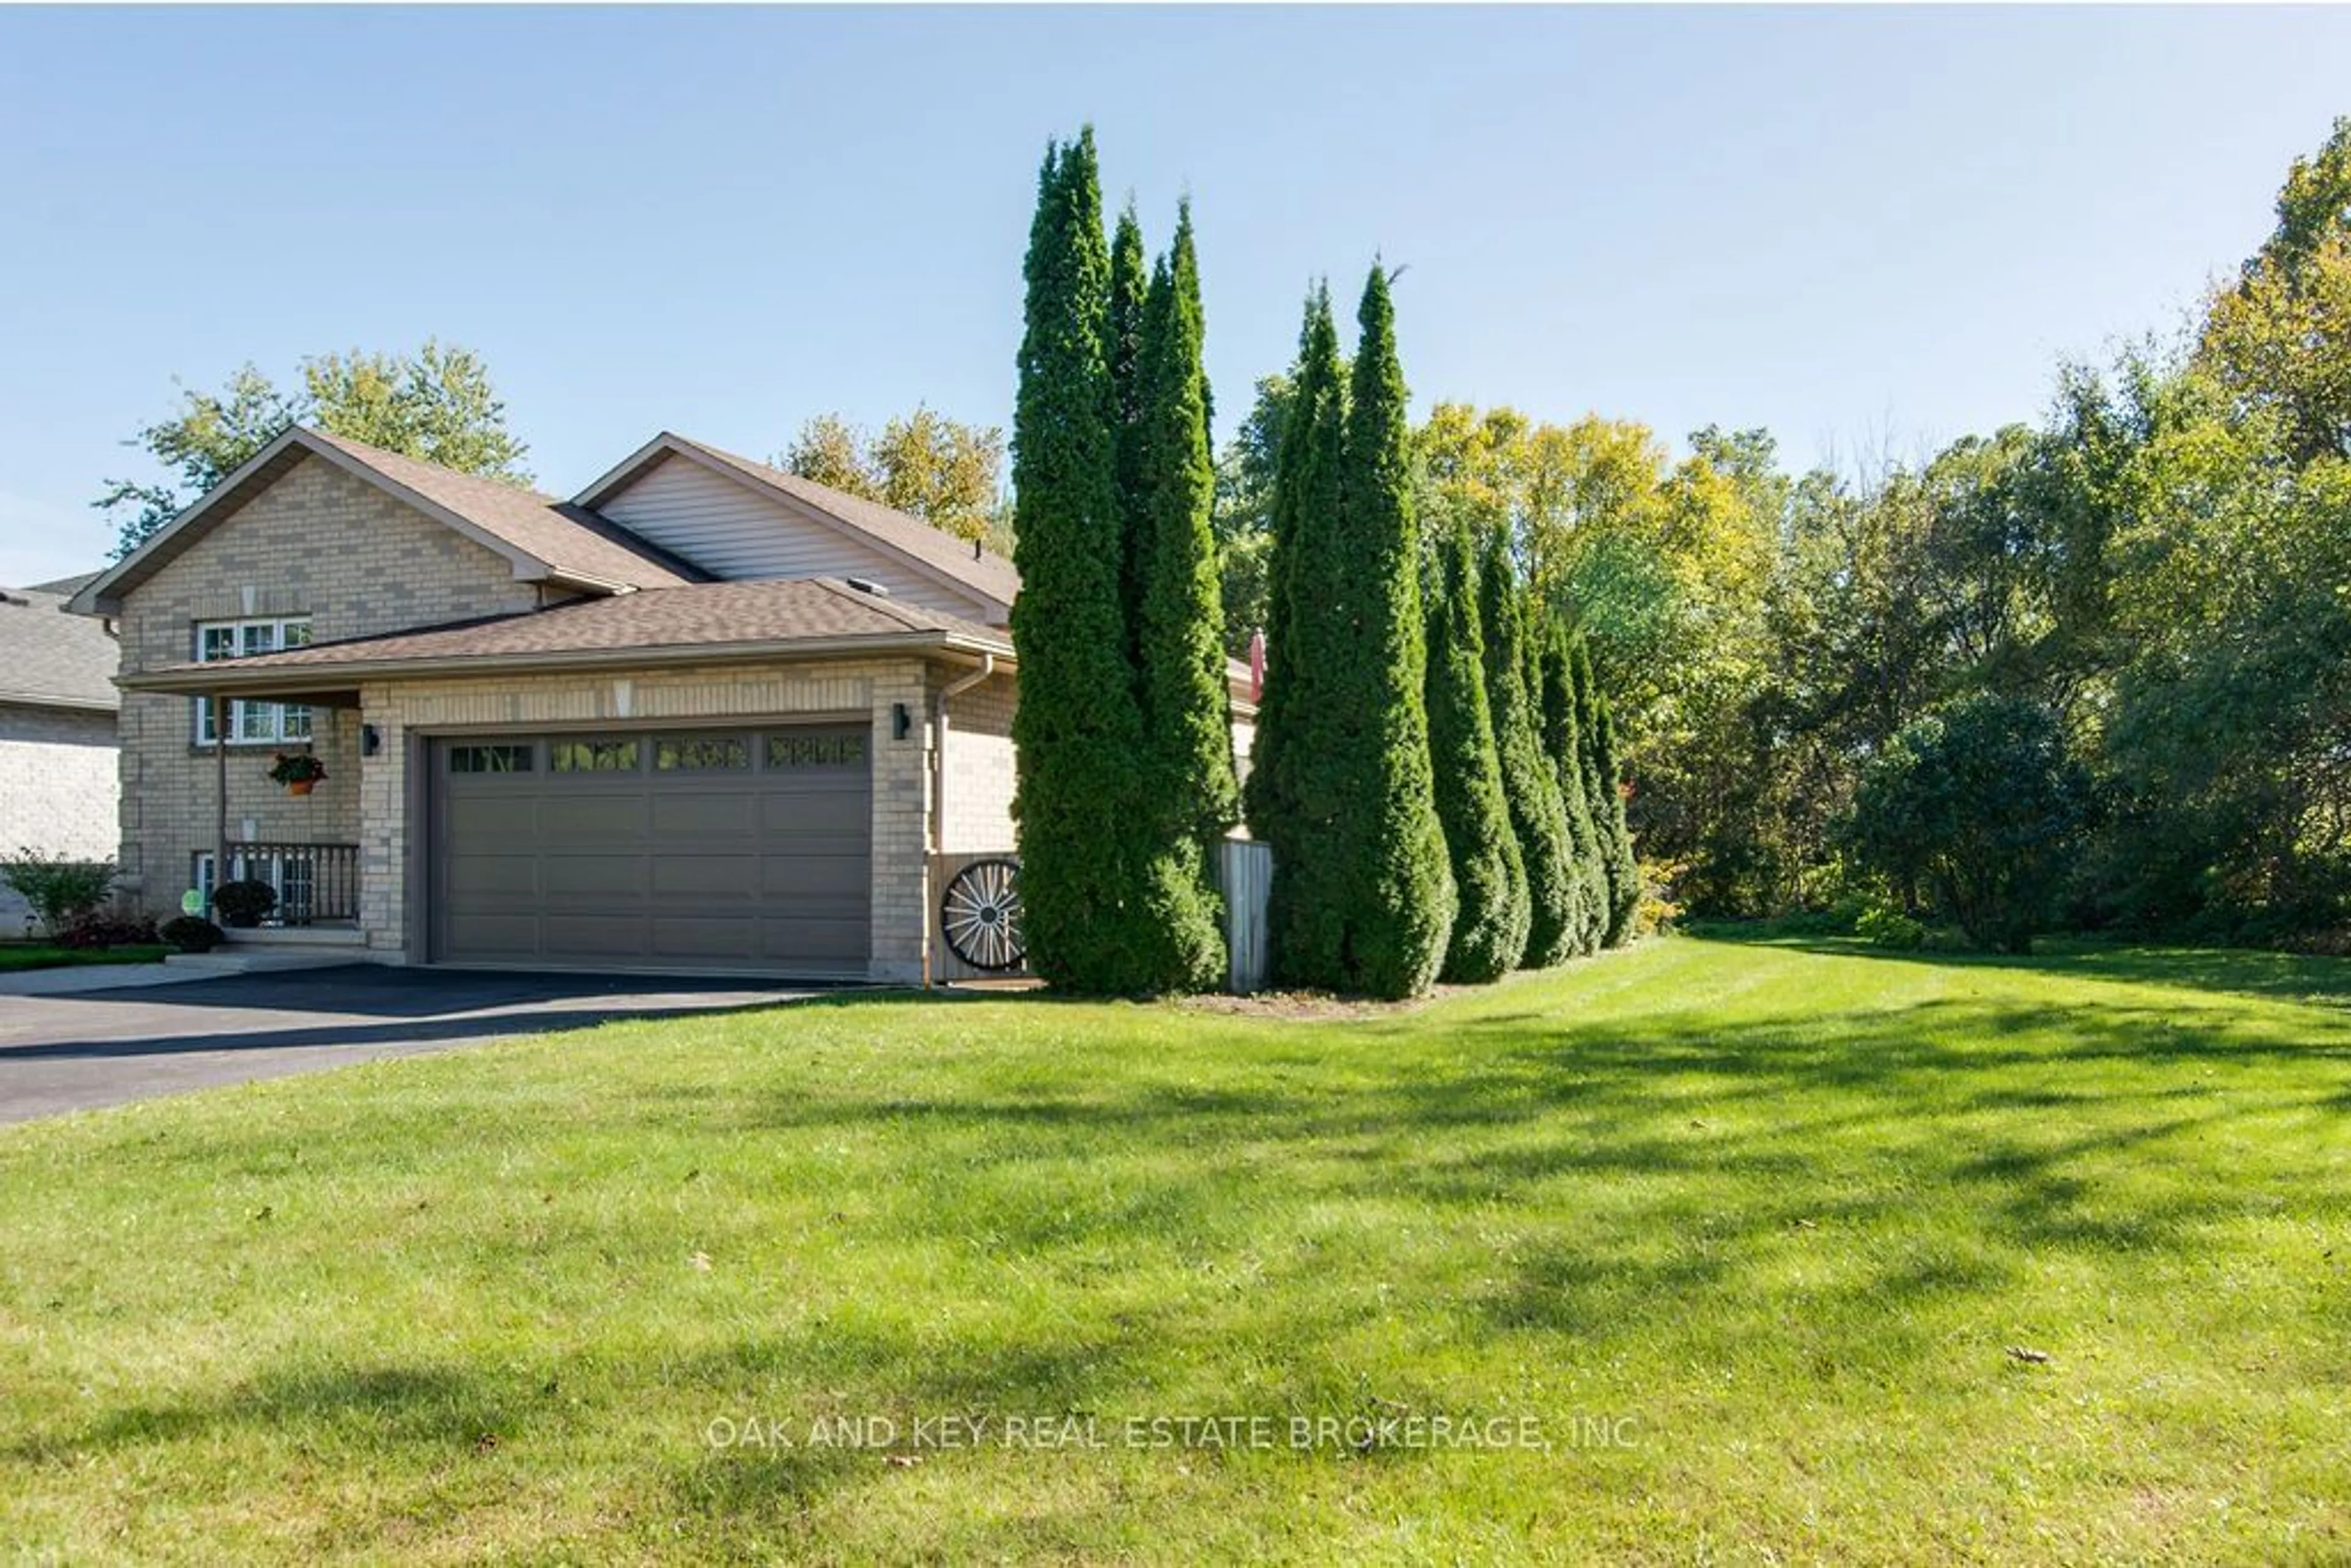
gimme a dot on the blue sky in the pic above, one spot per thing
(1865, 229)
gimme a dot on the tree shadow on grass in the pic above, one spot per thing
(382, 1404)
(1998, 1104)
(2261, 973)
(1581, 1186)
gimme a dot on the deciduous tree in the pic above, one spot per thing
(436, 404)
(945, 472)
(1245, 491)
(1981, 800)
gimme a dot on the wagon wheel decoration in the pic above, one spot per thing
(981, 912)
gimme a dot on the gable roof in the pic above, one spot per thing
(543, 538)
(51, 658)
(696, 622)
(933, 551)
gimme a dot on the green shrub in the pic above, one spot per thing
(1881, 926)
(192, 934)
(60, 890)
(1659, 909)
(1845, 915)
(244, 903)
(95, 928)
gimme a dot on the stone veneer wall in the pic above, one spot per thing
(980, 777)
(406, 711)
(318, 542)
(57, 788)
(981, 772)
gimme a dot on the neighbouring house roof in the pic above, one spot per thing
(51, 658)
(544, 539)
(934, 551)
(699, 623)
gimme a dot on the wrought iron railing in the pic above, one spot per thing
(317, 885)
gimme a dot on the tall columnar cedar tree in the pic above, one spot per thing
(1123, 343)
(1079, 728)
(1489, 928)
(1193, 797)
(1599, 733)
(1398, 888)
(1563, 747)
(1529, 783)
(1291, 800)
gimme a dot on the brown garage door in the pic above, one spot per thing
(748, 850)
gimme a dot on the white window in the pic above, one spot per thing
(294, 878)
(253, 723)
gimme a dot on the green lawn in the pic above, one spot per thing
(1753, 1235)
(16, 955)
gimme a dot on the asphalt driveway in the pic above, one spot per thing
(77, 1052)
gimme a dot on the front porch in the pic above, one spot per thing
(300, 841)
(317, 885)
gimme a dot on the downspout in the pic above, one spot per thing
(220, 796)
(947, 693)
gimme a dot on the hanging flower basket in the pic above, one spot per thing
(297, 771)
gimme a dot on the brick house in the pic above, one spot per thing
(58, 704)
(704, 716)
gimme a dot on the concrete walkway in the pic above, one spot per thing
(81, 1050)
(66, 980)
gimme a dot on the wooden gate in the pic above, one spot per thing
(1245, 876)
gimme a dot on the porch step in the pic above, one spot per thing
(255, 959)
(282, 936)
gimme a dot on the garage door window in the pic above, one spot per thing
(489, 759)
(595, 755)
(700, 754)
(815, 750)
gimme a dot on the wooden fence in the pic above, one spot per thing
(1244, 874)
(944, 965)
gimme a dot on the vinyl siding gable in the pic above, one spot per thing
(732, 531)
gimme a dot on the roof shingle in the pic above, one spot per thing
(48, 658)
(543, 537)
(708, 615)
(573, 541)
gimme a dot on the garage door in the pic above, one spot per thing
(748, 849)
